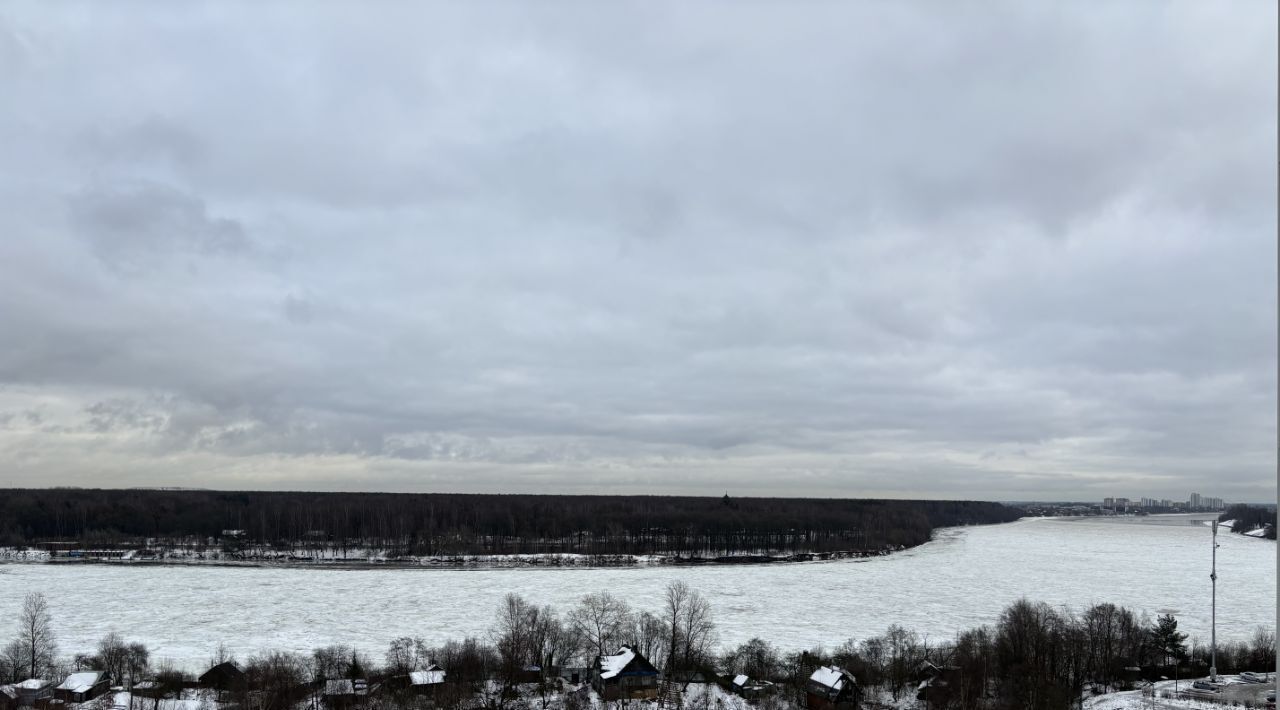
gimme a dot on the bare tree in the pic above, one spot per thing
(35, 635)
(11, 661)
(514, 634)
(331, 662)
(648, 636)
(112, 652)
(699, 631)
(406, 654)
(599, 621)
(689, 629)
(137, 660)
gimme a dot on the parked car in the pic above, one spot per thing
(1204, 685)
(1251, 677)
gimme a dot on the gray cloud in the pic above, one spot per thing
(873, 250)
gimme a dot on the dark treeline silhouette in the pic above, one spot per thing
(442, 524)
(1249, 517)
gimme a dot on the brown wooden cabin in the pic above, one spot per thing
(625, 675)
(34, 692)
(831, 688)
(224, 677)
(82, 686)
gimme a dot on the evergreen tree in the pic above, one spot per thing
(1168, 639)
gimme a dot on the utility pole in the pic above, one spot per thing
(1213, 627)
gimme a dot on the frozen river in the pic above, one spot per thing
(961, 579)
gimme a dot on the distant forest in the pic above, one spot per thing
(457, 524)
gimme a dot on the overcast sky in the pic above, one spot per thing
(831, 249)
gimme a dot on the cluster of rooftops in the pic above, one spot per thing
(626, 674)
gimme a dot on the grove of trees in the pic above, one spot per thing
(447, 524)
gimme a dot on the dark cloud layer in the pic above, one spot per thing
(904, 249)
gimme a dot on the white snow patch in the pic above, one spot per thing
(611, 666)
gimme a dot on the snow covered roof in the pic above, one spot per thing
(833, 677)
(33, 684)
(81, 682)
(740, 680)
(611, 666)
(346, 687)
(9, 691)
(427, 677)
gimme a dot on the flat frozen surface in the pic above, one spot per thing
(962, 579)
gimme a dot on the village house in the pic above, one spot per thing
(82, 686)
(748, 687)
(831, 687)
(34, 691)
(625, 675)
(147, 689)
(224, 677)
(8, 697)
(345, 693)
(935, 687)
(425, 682)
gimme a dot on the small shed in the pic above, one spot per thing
(147, 689)
(831, 687)
(625, 675)
(748, 687)
(8, 697)
(530, 674)
(34, 691)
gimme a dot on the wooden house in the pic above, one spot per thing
(225, 676)
(82, 686)
(936, 684)
(33, 692)
(427, 680)
(625, 675)
(345, 693)
(831, 687)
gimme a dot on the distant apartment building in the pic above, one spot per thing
(1199, 502)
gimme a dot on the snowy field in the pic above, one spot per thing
(962, 579)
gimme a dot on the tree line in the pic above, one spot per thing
(1250, 517)
(450, 524)
(1031, 657)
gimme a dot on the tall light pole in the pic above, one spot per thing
(1213, 627)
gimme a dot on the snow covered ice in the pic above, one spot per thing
(962, 579)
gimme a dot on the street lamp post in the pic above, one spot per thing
(1213, 624)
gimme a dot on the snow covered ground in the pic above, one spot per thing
(962, 579)
(1235, 693)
